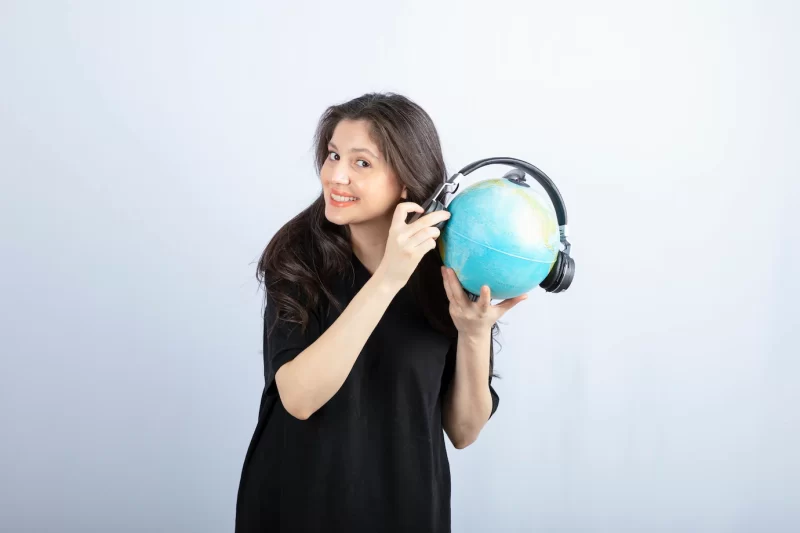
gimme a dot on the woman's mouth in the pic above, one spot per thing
(339, 198)
(342, 200)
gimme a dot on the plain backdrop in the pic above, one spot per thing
(149, 150)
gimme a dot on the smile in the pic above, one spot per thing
(339, 198)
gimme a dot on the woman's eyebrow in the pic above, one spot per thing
(356, 150)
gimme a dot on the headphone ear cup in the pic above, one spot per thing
(567, 275)
(563, 282)
(561, 274)
(549, 282)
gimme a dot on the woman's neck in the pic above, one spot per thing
(368, 241)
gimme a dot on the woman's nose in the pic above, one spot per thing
(340, 177)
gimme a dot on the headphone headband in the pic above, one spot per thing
(538, 175)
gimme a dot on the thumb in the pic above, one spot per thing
(505, 305)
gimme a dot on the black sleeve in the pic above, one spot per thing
(449, 374)
(285, 340)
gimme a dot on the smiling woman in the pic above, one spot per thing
(357, 175)
(360, 343)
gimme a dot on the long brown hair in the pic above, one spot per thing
(308, 252)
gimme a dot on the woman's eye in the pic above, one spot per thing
(333, 156)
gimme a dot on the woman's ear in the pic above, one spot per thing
(404, 194)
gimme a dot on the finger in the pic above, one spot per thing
(505, 305)
(428, 220)
(446, 285)
(403, 209)
(423, 248)
(485, 299)
(423, 235)
(456, 289)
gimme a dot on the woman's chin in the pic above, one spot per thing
(336, 216)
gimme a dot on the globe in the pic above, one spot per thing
(501, 233)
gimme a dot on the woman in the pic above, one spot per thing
(371, 347)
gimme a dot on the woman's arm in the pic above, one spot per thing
(468, 402)
(309, 380)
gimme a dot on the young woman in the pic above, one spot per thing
(372, 350)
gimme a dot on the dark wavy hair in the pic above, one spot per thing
(309, 252)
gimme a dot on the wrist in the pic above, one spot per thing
(477, 336)
(384, 284)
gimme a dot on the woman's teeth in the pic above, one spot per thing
(343, 198)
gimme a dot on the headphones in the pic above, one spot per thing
(563, 269)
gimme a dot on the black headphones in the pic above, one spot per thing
(563, 269)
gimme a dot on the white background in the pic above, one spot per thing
(149, 150)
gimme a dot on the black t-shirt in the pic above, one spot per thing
(373, 458)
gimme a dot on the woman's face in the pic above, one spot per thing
(355, 168)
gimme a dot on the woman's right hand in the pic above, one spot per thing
(407, 243)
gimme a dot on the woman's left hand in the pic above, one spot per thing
(474, 317)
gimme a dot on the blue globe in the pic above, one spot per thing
(501, 234)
